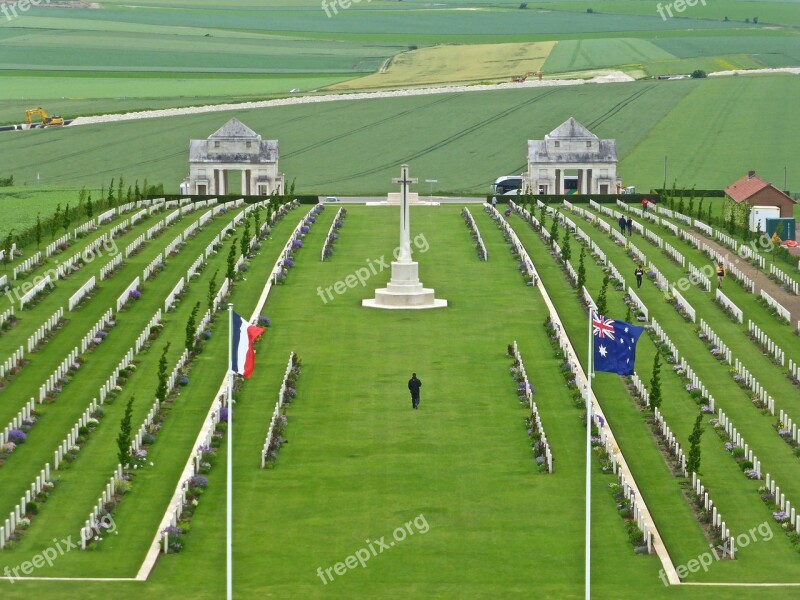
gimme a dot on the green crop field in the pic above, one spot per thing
(118, 57)
(454, 64)
(464, 141)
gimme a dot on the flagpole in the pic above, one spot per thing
(229, 492)
(589, 375)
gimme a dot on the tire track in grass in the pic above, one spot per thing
(448, 140)
(705, 139)
(336, 138)
(618, 107)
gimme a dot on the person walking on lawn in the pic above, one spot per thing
(413, 385)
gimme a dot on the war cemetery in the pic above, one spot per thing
(463, 299)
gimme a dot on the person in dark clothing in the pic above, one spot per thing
(629, 223)
(413, 385)
(639, 272)
(622, 225)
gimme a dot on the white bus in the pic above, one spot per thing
(508, 185)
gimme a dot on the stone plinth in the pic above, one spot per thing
(396, 198)
(404, 290)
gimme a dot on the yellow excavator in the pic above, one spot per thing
(521, 78)
(47, 121)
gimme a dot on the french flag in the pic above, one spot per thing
(243, 356)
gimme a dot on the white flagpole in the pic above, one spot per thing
(589, 376)
(229, 515)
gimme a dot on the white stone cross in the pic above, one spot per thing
(405, 229)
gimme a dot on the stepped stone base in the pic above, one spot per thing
(404, 291)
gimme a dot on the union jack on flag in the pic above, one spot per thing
(603, 328)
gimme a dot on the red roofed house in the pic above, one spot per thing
(757, 192)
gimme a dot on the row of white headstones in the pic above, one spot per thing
(70, 441)
(638, 507)
(723, 420)
(179, 499)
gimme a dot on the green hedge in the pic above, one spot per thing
(689, 193)
(303, 199)
(579, 199)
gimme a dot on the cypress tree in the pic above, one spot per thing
(124, 437)
(55, 222)
(693, 460)
(231, 273)
(212, 290)
(7, 249)
(191, 326)
(602, 300)
(65, 220)
(246, 237)
(554, 230)
(581, 269)
(162, 390)
(566, 251)
(655, 383)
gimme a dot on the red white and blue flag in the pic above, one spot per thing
(614, 345)
(243, 355)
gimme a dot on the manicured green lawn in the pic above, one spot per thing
(360, 463)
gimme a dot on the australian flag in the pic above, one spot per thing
(614, 345)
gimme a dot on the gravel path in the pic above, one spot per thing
(790, 70)
(612, 77)
(759, 277)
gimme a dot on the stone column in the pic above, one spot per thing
(558, 189)
(589, 185)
